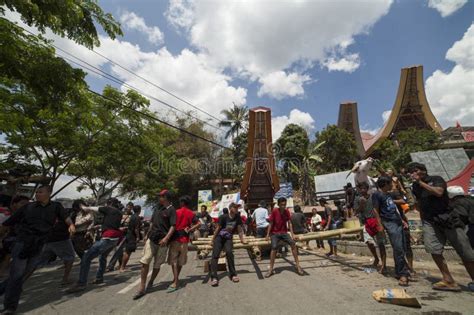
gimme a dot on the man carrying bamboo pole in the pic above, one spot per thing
(280, 222)
(227, 225)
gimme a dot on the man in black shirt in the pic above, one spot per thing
(33, 223)
(228, 225)
(163, 223)
(131, 236)
(59, 244)
(111, 233)
(433, 203)
(205, 220)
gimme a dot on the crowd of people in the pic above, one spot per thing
(41, 231)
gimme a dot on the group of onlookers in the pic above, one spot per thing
(382, 212)
(36, 233)
(43, 230)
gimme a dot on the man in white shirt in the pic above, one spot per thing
(260, 216)
(316, 226)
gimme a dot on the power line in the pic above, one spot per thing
(159, 120)
(155, 85)
(149, 115)
(109, 76)
(102, 73)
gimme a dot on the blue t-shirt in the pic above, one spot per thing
(387, 208)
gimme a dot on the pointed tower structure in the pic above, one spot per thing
(260, 180)
(411, 110)
(349, 120)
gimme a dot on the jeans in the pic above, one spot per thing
(228, 246)
(100, 248)
(397, 240)
(19, 268)
(117, 256)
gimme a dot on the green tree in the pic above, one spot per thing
(46, 110)
(339, 151)
(306, 172)
(291, 148)
(395, 153)
(235, 119)
(119, 151)
(75, 19)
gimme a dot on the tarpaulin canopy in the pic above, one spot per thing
(463, 179)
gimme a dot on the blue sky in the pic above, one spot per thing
(410, 33)
(301, 58)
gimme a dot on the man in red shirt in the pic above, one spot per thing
(186, 223)
(280, 222)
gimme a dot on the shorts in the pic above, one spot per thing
(435, 238)
(152, 251)
(63, 249)
(332, 241)
(378, 239)
(130, 247)
(262, 232)
(178, 253)
(285, 238)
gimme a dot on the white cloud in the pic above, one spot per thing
(180, 13)
(280, 85)
(296, 117)
(386, 115)
(446, 7)
(187, 74)
(368, 130)
(132, 21)
(349, 63)
(451, 94)
(256, 39)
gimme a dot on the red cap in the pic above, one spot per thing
(164, 192)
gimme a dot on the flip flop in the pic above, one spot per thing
(214, 282)
(269, 274)
(300, 272)
(138, 295)
(171, 289)
(403, 282)
(444, 286)
(235, 279)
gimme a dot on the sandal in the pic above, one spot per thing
(403, 282)
(235, 279)
(98, 281)
(171, 289)
(444, 286)
(214, 283)
(300, 272)
(138, 295)
(269, 274)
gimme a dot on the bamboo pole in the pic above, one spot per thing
(302, 237)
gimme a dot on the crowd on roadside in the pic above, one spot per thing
(43, 230)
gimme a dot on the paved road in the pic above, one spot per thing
(328, 287)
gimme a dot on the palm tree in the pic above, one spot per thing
(235, 119)
(307, 170)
